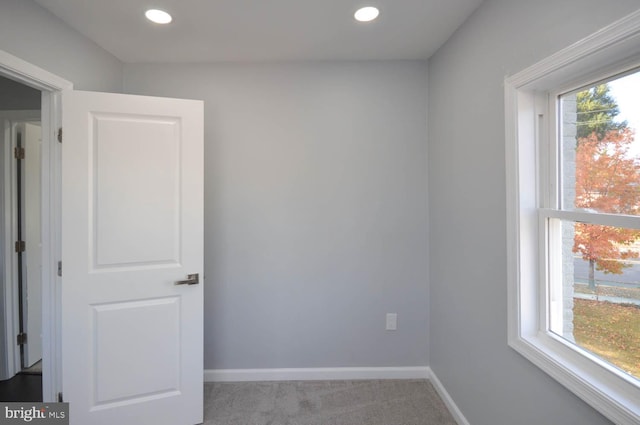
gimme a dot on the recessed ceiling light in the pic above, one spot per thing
(158, 16)
(366, 14)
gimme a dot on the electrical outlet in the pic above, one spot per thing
(392, 321)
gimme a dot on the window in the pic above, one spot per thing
(573, 193)
(595, 287)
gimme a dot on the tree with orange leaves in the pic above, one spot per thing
(607, 181)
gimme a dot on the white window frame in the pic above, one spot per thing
(531, 131)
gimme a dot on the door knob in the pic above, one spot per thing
(192, 279)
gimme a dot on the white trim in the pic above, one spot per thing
(31, 75)
(315, 374)
(612, 50)
(573, 56)
(448, 401)
(51, 86)
(51, 247)
(627, 221)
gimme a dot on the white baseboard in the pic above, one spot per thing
(315, 374)
(444, 395)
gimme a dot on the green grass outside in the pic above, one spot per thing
(611, 331)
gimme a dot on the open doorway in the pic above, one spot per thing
(50, 88)
(21, 242)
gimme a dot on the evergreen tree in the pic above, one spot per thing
(596, 112)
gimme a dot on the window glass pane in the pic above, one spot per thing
(595, 290)
(600, 157)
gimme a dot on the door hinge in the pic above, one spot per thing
(60, 399)
(60, 268)
(21, 246)
(60, 135)
(22, 338)
(18, 153)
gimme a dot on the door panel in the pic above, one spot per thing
(157, 338)
(130, 206)
(132, 225)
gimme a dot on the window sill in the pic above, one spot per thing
(607, 391)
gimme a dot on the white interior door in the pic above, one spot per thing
(32, 142)
(132, 226)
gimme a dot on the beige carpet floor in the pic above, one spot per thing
(373, 402)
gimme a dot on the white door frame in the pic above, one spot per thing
(51, 87)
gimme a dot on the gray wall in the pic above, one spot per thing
(490, 382)
(16, 96)
(33, 34)
(315, 210)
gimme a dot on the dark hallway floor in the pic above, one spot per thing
(22, 387)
